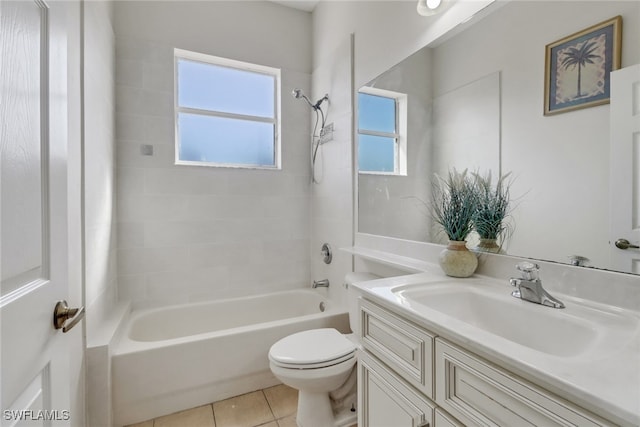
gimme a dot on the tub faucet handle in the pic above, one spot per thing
(324, 283)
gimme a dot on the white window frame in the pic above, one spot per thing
(179, 54)
(400, 137)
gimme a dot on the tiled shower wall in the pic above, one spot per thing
(190, 233)
(332, 209)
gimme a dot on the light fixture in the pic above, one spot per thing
(429, 7)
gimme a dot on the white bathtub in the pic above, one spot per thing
(179, 357)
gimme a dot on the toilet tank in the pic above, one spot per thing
(353, 294)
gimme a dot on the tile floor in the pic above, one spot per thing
(271, 407)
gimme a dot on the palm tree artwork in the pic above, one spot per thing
(579, 57)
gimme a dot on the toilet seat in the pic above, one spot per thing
(316, 348)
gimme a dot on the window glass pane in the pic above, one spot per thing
(224, 140)
(376, 153)
(229, 90)
(376, 113)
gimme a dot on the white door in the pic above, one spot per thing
(625, 169)
(34, 364)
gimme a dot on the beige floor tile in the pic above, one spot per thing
(247, 410)
(282, 399)
(291, 422)
(142, 424)
(201, 416)
(271, 424)
(288, 422)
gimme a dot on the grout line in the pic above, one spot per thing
(213, 412)
(269, 405)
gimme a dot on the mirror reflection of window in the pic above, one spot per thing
(382, 124)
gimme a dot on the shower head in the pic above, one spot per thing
(297, 93)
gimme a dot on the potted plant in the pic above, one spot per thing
(452, 208)
(491, 210)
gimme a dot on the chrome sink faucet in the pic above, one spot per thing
(529, 286)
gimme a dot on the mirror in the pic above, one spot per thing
(475, 101)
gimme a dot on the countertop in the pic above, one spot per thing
(605, 381)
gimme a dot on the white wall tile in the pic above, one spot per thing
(128, 155)
(158, 77)
(184, 180)
(129, 99)
(130, 234)
(129, 72)
(198, 231)
(160, 130)
(130, 127)
(184, 233)
(129, 181)
(155, 103)
(331, 200)
(132, 287)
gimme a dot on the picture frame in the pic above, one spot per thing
(577, 67)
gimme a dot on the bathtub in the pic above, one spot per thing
(179, 357)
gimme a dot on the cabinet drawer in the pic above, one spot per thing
(401, 345)
(386, 400)
(481, 394)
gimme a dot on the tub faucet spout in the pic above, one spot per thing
(324, 283)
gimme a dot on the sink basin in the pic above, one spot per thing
(561, 332)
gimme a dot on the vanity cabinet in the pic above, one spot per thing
(410, 377)
(401, 345)
(479, 393)
(385, 400)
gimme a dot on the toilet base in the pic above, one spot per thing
(346, 418)
(314, 410)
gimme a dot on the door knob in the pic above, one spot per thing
(625, 244)
(62, 313)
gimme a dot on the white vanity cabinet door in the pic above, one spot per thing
(384, 400)
(401, 345)
(481, 394)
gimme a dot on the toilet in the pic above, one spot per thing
(320, 364)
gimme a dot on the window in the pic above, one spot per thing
(382, 130)
(226, 112)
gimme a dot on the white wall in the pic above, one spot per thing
(76, 343)
(99, 160)
(99, 200)
(193, 233)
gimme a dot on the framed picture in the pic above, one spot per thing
(577, 67)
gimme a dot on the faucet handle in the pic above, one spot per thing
(529, 270)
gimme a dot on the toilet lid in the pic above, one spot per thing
(316, 347)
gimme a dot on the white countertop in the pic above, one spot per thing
(604, 380)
